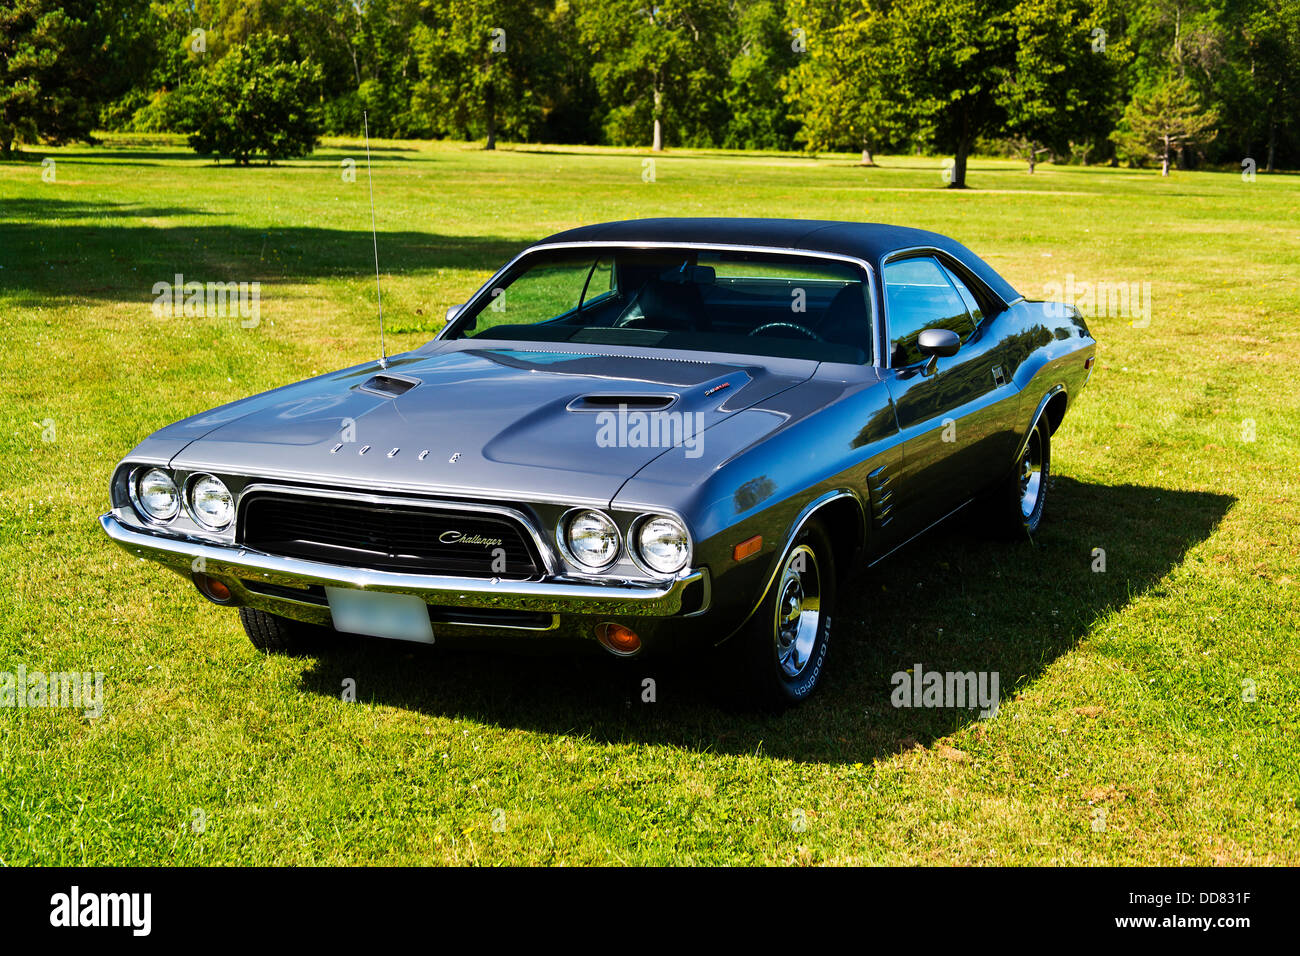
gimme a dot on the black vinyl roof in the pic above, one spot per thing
(862, 240)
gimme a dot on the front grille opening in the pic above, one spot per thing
(307, 593)
(469, 616)
(491, 617)
(409, 538)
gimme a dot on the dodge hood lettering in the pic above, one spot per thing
(511, 415)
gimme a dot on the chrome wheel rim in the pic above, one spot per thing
(798, 610)
(1031, 474)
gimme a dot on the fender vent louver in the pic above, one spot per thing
(390, 386)
(881, 495)
(601, 403)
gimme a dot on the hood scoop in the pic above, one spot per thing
(608, 401)
(388, 385)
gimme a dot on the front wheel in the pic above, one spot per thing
(281, 635)
(780, 654)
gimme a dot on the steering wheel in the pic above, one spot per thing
(803, 329)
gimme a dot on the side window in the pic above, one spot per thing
(968, 297)
(919, 296)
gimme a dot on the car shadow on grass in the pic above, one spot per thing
(952, 601)
(119, 257)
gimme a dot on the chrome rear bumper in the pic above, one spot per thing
(556, 595)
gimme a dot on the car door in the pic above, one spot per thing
(950, 414)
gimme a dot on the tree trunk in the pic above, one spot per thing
(658, 145)
(1272, 144)
(866, 156)
(1032, 159)
(959, 166)
(1164, 157)
(490, 104)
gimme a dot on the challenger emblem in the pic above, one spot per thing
(459, 537)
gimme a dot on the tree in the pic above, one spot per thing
(1160, 123)
(762, 50)
(476, 60)
(841, 91)
(1269, 68)
(1063, 77)
(255, 101)
(944, 66)
(51, 77)
(655, 63)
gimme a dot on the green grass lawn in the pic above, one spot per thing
(1126, 732)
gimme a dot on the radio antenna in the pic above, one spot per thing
(374, 235)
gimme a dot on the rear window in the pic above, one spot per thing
(704, 300)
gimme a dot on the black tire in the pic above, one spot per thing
(770, 664)
(1012, 512)
(281, 635)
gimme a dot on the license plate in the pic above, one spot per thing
(399, 617)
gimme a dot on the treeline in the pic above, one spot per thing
(1144, 81)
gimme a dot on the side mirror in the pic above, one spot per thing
(938, 343)
(935, 344)
(453, 311)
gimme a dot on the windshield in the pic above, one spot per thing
(698, 300)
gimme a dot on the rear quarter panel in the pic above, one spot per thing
(1047, 355)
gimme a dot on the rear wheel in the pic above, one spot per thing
(780, 653)
(1018, 504)
(281, 635)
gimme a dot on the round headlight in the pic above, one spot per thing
(211, 502)
(663, 544)
(592, 538)
(156, 495)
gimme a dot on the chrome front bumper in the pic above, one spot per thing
(556, 595)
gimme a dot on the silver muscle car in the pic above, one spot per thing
(665, 433)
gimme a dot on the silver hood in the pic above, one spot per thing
(463, 420)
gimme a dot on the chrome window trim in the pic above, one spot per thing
(876, 314)
(549, 562)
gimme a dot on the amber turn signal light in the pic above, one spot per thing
(212, 589)
(747, 548)
(618, 639)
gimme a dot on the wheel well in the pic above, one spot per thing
(842, 520)
(1055, 411)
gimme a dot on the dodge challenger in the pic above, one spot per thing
(652, 435)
